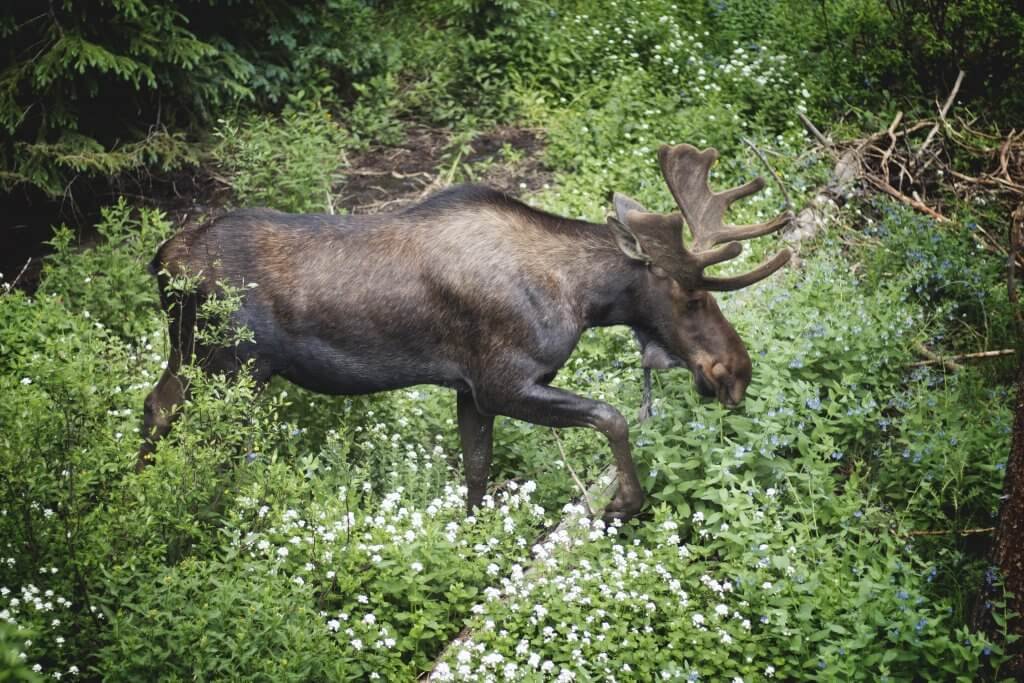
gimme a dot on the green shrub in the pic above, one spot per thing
(287, 163)
(12, 665)
(947, 269)
(109, 283)
(105, 89)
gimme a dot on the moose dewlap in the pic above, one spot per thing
(473, 290)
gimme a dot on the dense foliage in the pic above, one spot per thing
(816, 534)
(122, 86)
(117, 86)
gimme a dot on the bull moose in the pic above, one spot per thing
(473, 290)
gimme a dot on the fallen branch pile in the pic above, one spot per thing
(927, 163)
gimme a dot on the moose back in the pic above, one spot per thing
(471, 290)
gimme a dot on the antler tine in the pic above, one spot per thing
(728, 284)
(686, 171)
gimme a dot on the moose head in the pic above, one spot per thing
(686, 327)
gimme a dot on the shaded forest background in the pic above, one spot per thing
(131, 88)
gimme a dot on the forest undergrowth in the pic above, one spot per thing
(835, 527)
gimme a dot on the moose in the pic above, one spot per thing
(473, 290)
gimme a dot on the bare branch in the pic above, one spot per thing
(950, 532)
(14, 283)
(645, 404)
(920, 206)
(572, 472)
(785, 194)
(936, 359)
(949, 362)
(813, 130)
(942, 115)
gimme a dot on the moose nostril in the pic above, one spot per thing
(719, 372)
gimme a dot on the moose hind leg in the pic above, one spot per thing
(476, 434)
(552, 407)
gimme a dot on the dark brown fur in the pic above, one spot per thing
(470, 289)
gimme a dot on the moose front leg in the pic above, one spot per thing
(551, 407)
(476, 434)
(159, 411)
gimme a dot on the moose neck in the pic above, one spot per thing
(612, 288)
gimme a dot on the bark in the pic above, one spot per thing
(1008, 554)
(1008, 548)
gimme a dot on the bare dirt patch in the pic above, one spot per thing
(385, 178)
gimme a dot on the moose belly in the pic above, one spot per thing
(327, 369)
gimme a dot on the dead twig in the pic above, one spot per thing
(893, 192)
(942, 115)
(778, 181)
(645, 403)
(394, 174)
(989, 180)
(934, 359)
(572, 472)
(374, 207)
(813, 130)
(884, 163)
(950, 532)
(14, 283)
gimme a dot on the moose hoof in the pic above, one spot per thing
(623, 507)
(144, 460)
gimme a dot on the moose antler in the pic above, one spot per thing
(686, 172)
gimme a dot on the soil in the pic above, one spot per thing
(390, 177)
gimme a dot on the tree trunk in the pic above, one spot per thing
(1008, 549)
(1008, 553)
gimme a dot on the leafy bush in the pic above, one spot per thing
(286, 163)
(109, 283)
(168, 67)
(948, 269)
(762, 590)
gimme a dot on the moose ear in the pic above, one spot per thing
(624, 205)
(627, 240)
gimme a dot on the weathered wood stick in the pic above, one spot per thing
(942, 115)
(934, 359)
(913, 203)
(813, 130)
(948, 532)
